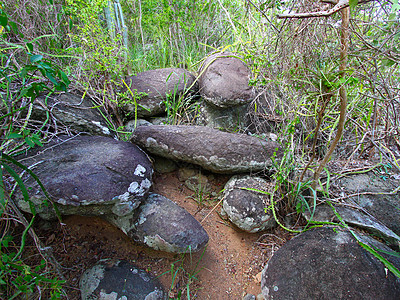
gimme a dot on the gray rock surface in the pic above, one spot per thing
(114, 279)
(164, 165)
(88, 175)
(231, 118)
(224, 80)
(217, 151)
(384, 206)
(246, 208)
(328, 263)
(151, 88)
(165, 226)
(72, 111)
(355, 218)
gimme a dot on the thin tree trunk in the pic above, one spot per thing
(344, 42)
(140, 22)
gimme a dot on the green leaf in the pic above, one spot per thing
(51, 78)
(64, 77)
(14, 135)
(353, 3)
(3, 20)
(29, 141)
(45, 66)
(36, 58)
(19, 181)
(383, 260)
(26, 169)
(395, 6)
(14, 27)
(30, 47)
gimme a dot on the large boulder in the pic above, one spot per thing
(88, 175)
(151, 88)
(214, 150)
(224, 80)
(165, 226)
(245, 201)
(76, 112)
(114, 279)
(328, 263)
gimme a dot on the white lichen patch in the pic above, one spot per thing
(62, 201)
(158, 243)
(155, 295)
(104, 129)
(140, 171)
(139, 190)
(112, 296)
(342, 238)
(147, 209)
(90, 280)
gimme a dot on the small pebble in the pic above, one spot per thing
(249, 297)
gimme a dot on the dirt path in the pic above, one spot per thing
(229, 268)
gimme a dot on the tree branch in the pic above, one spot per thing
(339, 5)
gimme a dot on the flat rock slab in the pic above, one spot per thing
(114, 279)
(355, 218)
(152, 87)
(214, 150)
(376, 196)
(73, 111)
(328, 263)
(224, 80)
(165, 226)
(88, 175)
(245, 203)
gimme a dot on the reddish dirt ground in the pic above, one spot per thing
(229, 268)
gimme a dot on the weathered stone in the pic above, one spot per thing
(380, 203)
(231, 118)
(88, 175)
(152, 87)
(165, 226)
(198, 183)
(217, 151)
(249, 297)
(355, 218)
(132, 124)
(328, 263)
(184, 173)
(224, 80)
(164, 165)
(244, 206)
(81, 115)
(114, 279)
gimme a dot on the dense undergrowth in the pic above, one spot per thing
(59, 45)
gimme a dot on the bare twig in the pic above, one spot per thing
(339, 5)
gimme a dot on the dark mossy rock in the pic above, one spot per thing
(87, 175)
(114, 279)
(328, 263)
(152, 87)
